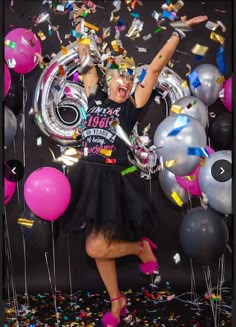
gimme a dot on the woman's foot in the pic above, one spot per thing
(118, 308)
(147, 256)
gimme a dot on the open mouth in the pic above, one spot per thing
(123, 91)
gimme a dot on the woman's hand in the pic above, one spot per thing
(76, 15)
(195, 20)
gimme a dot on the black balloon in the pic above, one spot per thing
(14, 98)
(203, 235)
(42, 234)
(220, 131)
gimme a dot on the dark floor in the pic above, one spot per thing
(149, 307)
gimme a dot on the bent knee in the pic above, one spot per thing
(96, 248)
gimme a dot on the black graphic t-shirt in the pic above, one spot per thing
(99, 139)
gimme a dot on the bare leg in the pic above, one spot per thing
(107, 271)
(98, 247)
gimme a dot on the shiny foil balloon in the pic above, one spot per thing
(203, 235)
(169, 83)
(170, 187)
(215, 180)
(192, 106)
(211, 83)
(10, 126)
(173, 150)
(60, 103)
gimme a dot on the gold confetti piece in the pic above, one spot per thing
(184, 84)
(91, 26)
(189, 68)
(176, 109)
(84, 41)
(202, 162)
(199, 50)
(170, 163)
(177, 199)
(220, 79)
(64, 50)
(41, 35)
(217, 38)
(25, 222)
(190, 178)
(178, 5)
(106, 152)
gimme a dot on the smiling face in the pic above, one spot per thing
(119, 86)
(120, 81)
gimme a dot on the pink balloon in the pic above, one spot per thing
(25, 44)
(227, 98)
(7, 80)
(191, 185)
(47, 192)
(9, 190)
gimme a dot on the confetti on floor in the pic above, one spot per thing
(146, 308)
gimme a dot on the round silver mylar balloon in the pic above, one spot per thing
(170, 187)
(215, 180)
(191, 106)
(211, 83)
(174, 149)
(10, 126)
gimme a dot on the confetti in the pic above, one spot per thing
(174, 195)
(91, 26)
(170, 163)
(41, 35)
(176, 258)
(25, 222)
(217, 38)
(39, 141)
(211, 25)
(180, 123)
(199, 50)
(147, 37)
(176, 109)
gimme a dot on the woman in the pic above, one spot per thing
(110, 208)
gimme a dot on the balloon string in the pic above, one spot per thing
(54, 258)
(23, 125)
(8, 277)
(10, 264)
(207, 276)
(189, 197)
(221, 279)
(50, 281)
(17, 182)
(23, 237)
(193, 286)
(25, 266)
(65, 172)
(69, 263)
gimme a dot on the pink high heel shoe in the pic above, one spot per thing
(109, 320)
(149, 267)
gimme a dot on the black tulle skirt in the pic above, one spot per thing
(105, 201)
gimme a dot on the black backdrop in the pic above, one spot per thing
(68, 248)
